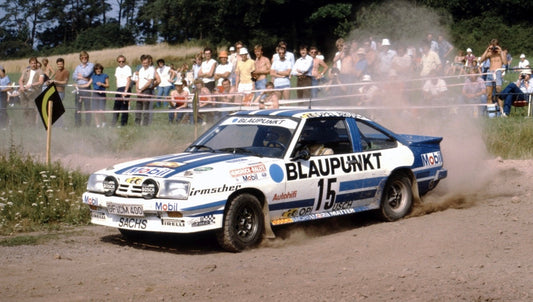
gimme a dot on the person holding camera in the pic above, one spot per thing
(497, 58)
(516, 91)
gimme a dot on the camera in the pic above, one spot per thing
(522, 76)
(494, 48)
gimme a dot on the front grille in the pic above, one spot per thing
(129, 190)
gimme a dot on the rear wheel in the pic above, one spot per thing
(243, 224)
(397, 198)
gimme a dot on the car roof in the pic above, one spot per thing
(300, 113)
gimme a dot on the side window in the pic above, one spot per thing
(325, 136)
(374, 139)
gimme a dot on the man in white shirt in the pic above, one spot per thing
(207, 70)
(302, 71)
(144, 87)
(123, 75)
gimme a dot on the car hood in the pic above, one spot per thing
(174, 164)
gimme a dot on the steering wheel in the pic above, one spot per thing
(276, 144)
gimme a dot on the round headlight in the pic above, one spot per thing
(149, 189)
(110, 185)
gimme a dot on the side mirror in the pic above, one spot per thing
(302, 154)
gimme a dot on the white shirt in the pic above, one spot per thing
(145, 75)
(221, 69)
(164, 74)
(523, 64)
(122, 74)
(303, 66)
(206, 67)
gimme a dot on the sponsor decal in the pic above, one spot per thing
(297, 212)
(282, 221)
(258, 168)
(173, 222)
(202, 221)
(135, 180)
(432, 159)
(148, 171)
(258, 121)
(90, 200)
(132, 223)
(251, 177)
(327, 114)
(276, 173)
(170, 207)
(323, 215)
(333, 166)
(206, 191)
(203, 169)
(165, 164)
(283, 196)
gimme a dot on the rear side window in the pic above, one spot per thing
(374, 139)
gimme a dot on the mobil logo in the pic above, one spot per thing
(432, 159)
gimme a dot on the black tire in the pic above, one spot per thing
(243, 224)
(397, 198)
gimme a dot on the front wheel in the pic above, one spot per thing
(397, 198)
(243, 224)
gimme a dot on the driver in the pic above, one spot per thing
(310, 140)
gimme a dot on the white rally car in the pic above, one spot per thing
(253, 170)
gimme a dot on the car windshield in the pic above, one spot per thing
(259, 136)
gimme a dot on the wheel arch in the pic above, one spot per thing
(268, 233)
(414, 185)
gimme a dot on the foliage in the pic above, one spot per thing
(510, 138)
(36, 196)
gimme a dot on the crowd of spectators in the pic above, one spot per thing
(362, 69)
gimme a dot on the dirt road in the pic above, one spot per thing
(467, 246)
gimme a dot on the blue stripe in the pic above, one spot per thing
(206, 206)
(360, 183)
(355, 195)
(291, 205)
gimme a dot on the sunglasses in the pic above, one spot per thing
(121, 61)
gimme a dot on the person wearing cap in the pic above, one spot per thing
(243, 74)
(302, 71)
(469, 59)
(517, 91)
(223, 69)
(262, 68)
(524, 63)
(4, 88)
(178, 100)
(207, 70)
(30, 85)
(385, 57)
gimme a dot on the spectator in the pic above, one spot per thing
(334, 86)
(385, 57)
(280, 71)
(516, 91)
(145, 89)
(339, 55)
(196, 65)
(234, 58)
(434, 88)
(458, 65)
(469, 59)
(100, 81)
(166, 75)
(81, 76)
(430, 61)
(203, 102)
(317, 73)
(347, 66)
(368, 91)
(48, 71)
(302, 71)
(445, 49)
(361, 67)
(288, 55)
(123, 79)
(178, 100)
(269, 99)
(30, 84)
(227, 99)
(494, 78)
(207, 70)
(402, 63)
(524, 63)
(60, 79)
(474, 90)
(4, 88)
(243, 73)
(434, 45)
(262, 68)
(223, 70)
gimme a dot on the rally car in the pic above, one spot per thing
(257, 169)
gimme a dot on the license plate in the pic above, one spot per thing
(125, 209)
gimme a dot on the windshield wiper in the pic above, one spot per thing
(198, 147)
